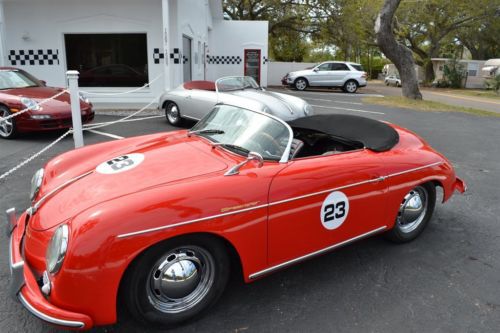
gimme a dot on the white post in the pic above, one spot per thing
(76, 113)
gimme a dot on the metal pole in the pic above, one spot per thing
(76, 113)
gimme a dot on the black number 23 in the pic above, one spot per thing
(120, 162)
(334, 211)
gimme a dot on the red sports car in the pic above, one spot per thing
(154, 221)
(20, 90)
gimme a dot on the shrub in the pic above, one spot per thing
(493, 83)
(454, 73)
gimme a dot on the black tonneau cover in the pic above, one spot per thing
(373, 134)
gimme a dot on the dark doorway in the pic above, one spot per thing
(252, 64)
(186, 58)
(108, 60)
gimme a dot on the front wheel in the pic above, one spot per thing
(351, 86)
(414, 213)
(300, 84)
(176, 280)
(7, 127)
(173, 114)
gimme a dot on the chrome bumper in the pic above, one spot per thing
(16, 268)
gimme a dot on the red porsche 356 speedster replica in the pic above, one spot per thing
(153, 221)
(20, 90)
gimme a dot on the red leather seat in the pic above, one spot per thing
(201, 85)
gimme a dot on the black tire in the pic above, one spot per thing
(8, 129)
(350, 86)
(404, 231)
(301, 84)
(173, 114)
(143, 296)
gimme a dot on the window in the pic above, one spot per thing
(339, 67)
(472, 69)
(108, 60)
(358, 68)
(324, 67)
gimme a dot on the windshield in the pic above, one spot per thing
(233, 83)
(11, 79)
(236, 127)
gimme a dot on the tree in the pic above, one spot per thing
(398, 53)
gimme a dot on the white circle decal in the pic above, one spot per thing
(334, 210)
(120, 164)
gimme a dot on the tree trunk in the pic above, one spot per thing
(399, 54)
(429, 71)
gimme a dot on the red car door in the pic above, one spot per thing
(325, 200)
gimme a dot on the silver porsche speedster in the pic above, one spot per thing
(194, 99)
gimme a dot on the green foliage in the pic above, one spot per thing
(454, 73)
(289, 46)
(493, 83)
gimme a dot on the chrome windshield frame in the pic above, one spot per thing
(286, 154)
(233, 77)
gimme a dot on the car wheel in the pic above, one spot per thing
(173, 114)
(386, 83)
(414, 213)
(350, 86)
(176, 280)
(300, 84)
(7, 127)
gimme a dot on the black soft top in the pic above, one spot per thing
(373, 134)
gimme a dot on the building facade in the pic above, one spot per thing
(119, 45)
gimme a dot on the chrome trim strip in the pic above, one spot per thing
(32, 210)
(49, 319)
(315, 253)
(382, 178)
(190, 222)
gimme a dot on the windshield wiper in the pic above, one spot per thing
(206, 131)
(230, 145)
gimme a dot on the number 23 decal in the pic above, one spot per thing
(120, 164)
(334, 210)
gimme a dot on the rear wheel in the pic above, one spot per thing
(173, 114)
(176, 280)
(414, 213)
(7, 127)
(350, 86)
(300, 84)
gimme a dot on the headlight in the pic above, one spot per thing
(308, 109)
(84, 98)
(36, 183)
(56, 251)
(30, 104)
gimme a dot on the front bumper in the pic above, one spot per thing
(24, 286)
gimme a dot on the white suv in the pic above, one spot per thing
(346, 75)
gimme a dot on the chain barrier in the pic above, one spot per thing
(28, 109)
(89, 93)
(32, 157)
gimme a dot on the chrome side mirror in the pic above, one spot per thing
(315, 69)
(252, 156)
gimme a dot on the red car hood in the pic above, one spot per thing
(58, 106)
(167, 159)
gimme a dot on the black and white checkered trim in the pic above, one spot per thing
(184, 59)
(264, 60)
(34, 57)
(158, 56)
(224, 60)
(176, 56)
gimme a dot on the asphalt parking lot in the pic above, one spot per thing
(448, 280)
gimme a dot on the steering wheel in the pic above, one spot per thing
(268, 143)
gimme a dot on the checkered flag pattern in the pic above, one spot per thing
(224, 60)
(184, 59)
(265, 60)
(176, 56)
(34, 57)
(158, 56)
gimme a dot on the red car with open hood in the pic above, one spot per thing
(154, 221)
(20, 90)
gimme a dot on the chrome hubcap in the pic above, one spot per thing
(5, 125)
(412, 210)
(351, 87)
(173, 113)
(301, 84)
(180, 279)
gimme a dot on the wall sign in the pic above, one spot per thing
(252, 63)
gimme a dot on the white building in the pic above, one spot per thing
(117, 45)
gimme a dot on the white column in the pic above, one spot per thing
(76, 113)
(3, 48)
(167, 71)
